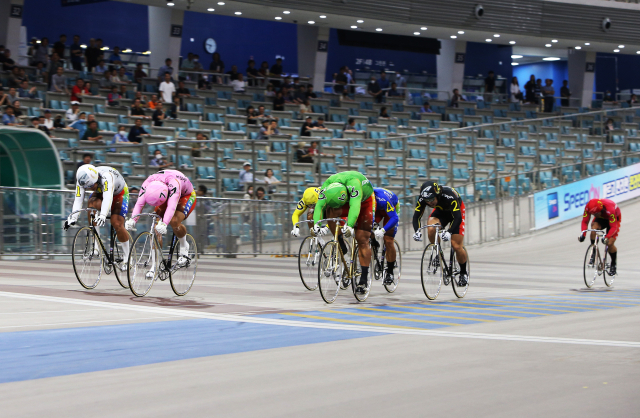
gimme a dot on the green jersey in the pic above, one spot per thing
(359, 188)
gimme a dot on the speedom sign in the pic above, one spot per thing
(568, 201)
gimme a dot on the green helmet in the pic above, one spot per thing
(336, 195)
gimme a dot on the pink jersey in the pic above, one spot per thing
(178, 185)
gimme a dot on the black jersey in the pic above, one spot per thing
(449, 202)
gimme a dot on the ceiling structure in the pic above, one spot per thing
(533, 24)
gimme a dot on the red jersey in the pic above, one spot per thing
(603, 209)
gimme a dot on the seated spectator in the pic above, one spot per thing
(12, 96)
(17, 112)
(608, 128)
(58, 122)
(196, 150)
(72, 114)
(393, 92)
(266, 129)
(271, 181)
(59, 82)
(374, 90)
(167, 88)
(307, 127)
(77, 90)
(158, 116)
(252, 116)
(138, 110)
(633, 100)
(246, 176)
(276, 69)
(159, 161)
(319, 124)
(86, 159)
(121, 136)
(305, 107)
(202, 190)
(122, 75)
(274, 127)
(315, 152)
(139, 96)
(238, 83)
(7, 62)
(287, 94)
(245, 208)
(134, 190)
(252, 73)
(217, 65)
(302, 154)
(182, 91)
(260, 194)
(139, 74)
(457, 97)
(113, 77)
(136, 132)
(384, 113)
(270, 92)
(264, 69)
(188, 64)
(175, 107)
(4, 98)
(113, 98)
(92, 134)
(101, 68)
(36, 124)
(300, 95)
(115, 58)
(350, 126)
(426, 108)
(153, 103)
(123, 91)
(87, 89)
(608, 97)
(233, 74)
(79, 124)
(262, 113)
(48, 122)
(9, 118)
(278, 101)
(28, 92)
(310, 94)
(340, 80)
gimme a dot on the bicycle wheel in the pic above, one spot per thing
(608, 279)
(86, 263)
(355, 277)
(145, 256)
(118, 259)
(182, 277)
(590, 271)
(431, 273)
(308, 258)
(397, 270)
(460, 291)
(330, 271)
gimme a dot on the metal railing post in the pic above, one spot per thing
(404, 164)
(145, 159)
(177, 152)
(217, 169)
(288, 164)
(378, 162)
(450, 170)
(253, 167)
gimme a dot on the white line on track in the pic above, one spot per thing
(166, 312)
(85, 322)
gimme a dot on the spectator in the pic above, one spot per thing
(287, 94)
(188, 63)
(15, 79)
(217, 65)
(80, 124)
(92, 55)
(270, 92)
(58, 122)
(40, 73)
(565, 93)
(345, 97)
(158, 116)
(36, 124)
(175, 107)
(384, 113)
(633, 100)
(86, 159)
(246, 176)
(548, 93)
(60, 46)
(264, 69)
(164, 70)
(201, 191)
(261, 112)
(374, 90)
(315, 153)
(271, 181)
(273, 126)
(87, 89)
(538, 90)
(16, 110)
(515, 93)
(48, 122)
(92, 134)
(76, 54)
(78, 90)
(238, 83)
(233, 73)
(265, 129)
(167, 88)
(608, 97)
(139, 74)
(300, 95)
(307, 127)
(26, 91)
(182, 91)
(136, 132)
(276, 69)
(489, 86)
(7, 62)
(260, 194)
(400, 80)
(196, 150)
(9, 118)
(305, 107)
(252, 116)
(41, 52)
(252, 73)
(153, 103)
(4, 98)
(122, 75)
(278, 101)
(134, 190)
(114, 78)
(123, 91)
(159, 161)
(302, 155)
(310, 93)
(138, 110)
(139, 96)
(72, 114)
(121, 136)
(59, 82)
(319, 124)
(350, 126)
(101, 68)
(115, 57)
(341, 80)
(530, 90)
(383, 82)
(426, 108)
(457, 97)
(113, 98)
(393, 92)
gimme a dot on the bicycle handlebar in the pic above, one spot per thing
(339, 220)
(303, 222)
(436, 226)
(151, 214)
(84, 210)
(597, 231)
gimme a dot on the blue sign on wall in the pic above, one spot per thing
(77, 2)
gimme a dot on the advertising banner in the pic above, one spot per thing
(566, 202)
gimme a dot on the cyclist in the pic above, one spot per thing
(349, 194)
(308, 201)
(174, 199)
(387, 209)
(607, 216)
(448, 209)
(110, 193)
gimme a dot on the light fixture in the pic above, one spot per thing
(587, 43)
(488, 39)
(83, 46)
(146, 53)
(496, 35)
(578, 47)
(311, 22)
(286, 12)
(238, 13)
(460, 32)
(423, 28)
(278, 18)
(453, 36)
(637, 52)
(416, 33)
(211, 9)
(378, 29)
(551, 59)
(126, 51)
(515, 57)
(554, 41)
(220, 3)
(514, 63)
(104, 48)
(616, 50)
(360, 21)
(620, 46)
(170, 4)
(38, 42)
(548, 45)
(354, 27)
(323, 17)
(512, 42)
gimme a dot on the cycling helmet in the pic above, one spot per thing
(430, 190)
(156, 193)
(87, 176)
(310, 196)
(594, 206)
(336, 195)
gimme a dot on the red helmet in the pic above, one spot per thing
(594, 206)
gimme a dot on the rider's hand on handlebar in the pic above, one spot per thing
(605, 241)
(582, 237)
(161, 228)
(67, 225)
(295, 232)
(347, 231)
(379, 233)
(417, 236)
(130, 225)
(445, 236)
(100, 220)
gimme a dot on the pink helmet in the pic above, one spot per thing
(156, 193)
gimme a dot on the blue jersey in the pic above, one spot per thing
(387, 207)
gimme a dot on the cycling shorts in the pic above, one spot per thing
(393, 231)
(120, 203)
(446, 218)
(605, 224)
(365, 218)
(186, 205)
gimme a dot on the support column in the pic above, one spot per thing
(10, 28)
(312, 61)
(581, 76)
(450, 67)
(161, 44)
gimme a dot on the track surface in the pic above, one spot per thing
(528, 340)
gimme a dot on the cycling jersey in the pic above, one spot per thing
(449, 204)
(607, 210)
(388, 208)
(110, 183)
(359, 189)
(179, 186)
(301, 208)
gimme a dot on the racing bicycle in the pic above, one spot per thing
(435, 270)
(146, 262)
(378, 263)
(600, 265)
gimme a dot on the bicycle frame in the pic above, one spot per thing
(600, 233)
(447, 268)
(112, 231)
(341, 222)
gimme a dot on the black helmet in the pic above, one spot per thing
(430, 190)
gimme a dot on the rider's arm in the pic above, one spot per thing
(172, 203)
(79, 200)
(585, 221)
(140, 202)
(354, 189)
(108, 183)
(392, 212)
(417, 214)
(300, 209)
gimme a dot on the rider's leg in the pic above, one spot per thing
(180, 231)
(594, 225)
(364, 253)
(457, 242)
(613, 251)
(336, 213)
(391, 251)
(117, 222)
(96, 203)
(432, 231)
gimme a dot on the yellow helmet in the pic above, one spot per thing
(310, 196)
